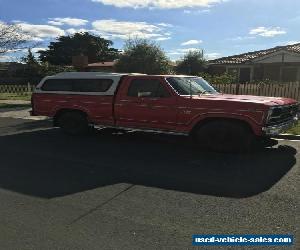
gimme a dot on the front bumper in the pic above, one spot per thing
(280, 128)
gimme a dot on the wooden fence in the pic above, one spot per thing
(291, 90)
(16, 89)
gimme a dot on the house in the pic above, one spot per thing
(101, 66)
(80, 63)
(280, 64)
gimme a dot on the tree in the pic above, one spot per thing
(32, 68)
(143, 56)
(193, 63)
(29, 59)
(11, 37)
(61, 51)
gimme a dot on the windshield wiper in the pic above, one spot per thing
(203, 92)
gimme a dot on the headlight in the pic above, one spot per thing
(271, 112)
(281, 113)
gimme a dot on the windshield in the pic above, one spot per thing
(191, 85)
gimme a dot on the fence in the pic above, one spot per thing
(18, 90)
(291, 90)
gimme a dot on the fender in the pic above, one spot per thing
(57, 109)
(254, 125)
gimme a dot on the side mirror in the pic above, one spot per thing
(144, 94)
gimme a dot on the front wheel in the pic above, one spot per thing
(73, 123)
(225, 136)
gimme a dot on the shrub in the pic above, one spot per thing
(218, 79)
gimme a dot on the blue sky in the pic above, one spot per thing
(220, 27)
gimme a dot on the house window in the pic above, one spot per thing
(258, 73)
(244, 75)
(289, 74)
(272, 72)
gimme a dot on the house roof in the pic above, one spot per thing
(246, 57)
(102, 64)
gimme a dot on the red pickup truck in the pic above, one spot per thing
(184, 105)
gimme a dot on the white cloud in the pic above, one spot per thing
(163, 38)
(191, 42)
(35, 50)
(160, 4)
(267, 31)
(68, 21)
(181, 51)
(39, 32)
(291, 42)
(72, 31)
(165, 24)
(241, 38)
(56, 23)
(178, 53)
(5, 58)
(211, 56)
(121, 29)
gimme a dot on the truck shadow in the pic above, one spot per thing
(50, 164)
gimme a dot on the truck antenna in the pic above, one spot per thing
(190, 89)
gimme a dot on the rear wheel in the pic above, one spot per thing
(73, 122)
(225, 136)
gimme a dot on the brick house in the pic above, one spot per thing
(81, 63)
(280, 64)
(101, 66)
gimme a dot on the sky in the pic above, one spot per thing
(219, 27)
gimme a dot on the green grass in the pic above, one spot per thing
(11, 96)
(6, 106)
(295, 130)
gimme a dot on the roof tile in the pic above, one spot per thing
(246, 57)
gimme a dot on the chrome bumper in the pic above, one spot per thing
(279, 128)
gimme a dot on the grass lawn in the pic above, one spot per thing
(295, 130)
(11, 96)
(6, 106)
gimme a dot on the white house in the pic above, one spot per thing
(281, 64)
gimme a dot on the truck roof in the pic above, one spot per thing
(107, 74)
(90, 74)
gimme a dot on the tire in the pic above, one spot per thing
(73, 123)
(225, 136)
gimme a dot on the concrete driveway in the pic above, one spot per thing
(136, 191)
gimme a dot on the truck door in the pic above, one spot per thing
(146, 103)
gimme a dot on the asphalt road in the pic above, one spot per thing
(131, 191)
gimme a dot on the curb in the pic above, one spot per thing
(16, 102)
(287, 137)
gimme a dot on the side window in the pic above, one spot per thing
(57, 85)
(77, 85)
(91, 85)
(147, 88)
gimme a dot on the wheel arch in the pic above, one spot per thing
(61, 111)
(246, 123)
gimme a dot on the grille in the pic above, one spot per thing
(283, 114)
